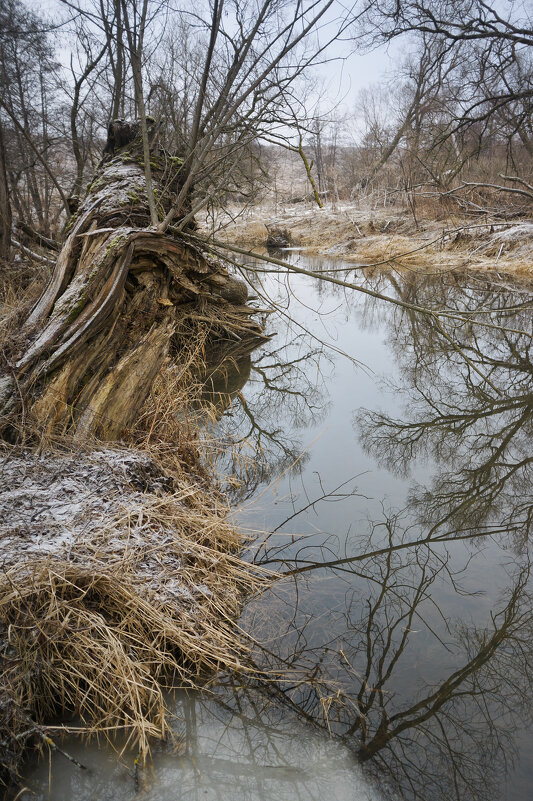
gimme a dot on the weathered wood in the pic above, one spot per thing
(99, 334)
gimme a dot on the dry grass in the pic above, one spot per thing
(148, 599)
(99, 628)
(21, 284)
(135, 584)
(176, 423)
(389, 238)
(168, 425)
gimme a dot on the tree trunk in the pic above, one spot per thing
(5, 207)
(93, 344)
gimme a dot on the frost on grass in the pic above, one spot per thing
(117, 580)
(106, 506)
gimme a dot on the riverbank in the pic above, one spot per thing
(121, 576)
(120, 569)
(387, 237)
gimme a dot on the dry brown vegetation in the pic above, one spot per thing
(389, 237)
(121, 573)
(118, 601)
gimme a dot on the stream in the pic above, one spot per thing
(389, 455)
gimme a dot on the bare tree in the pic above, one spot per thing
(77, 353)
(27, 102)
(5, 205)
(495, 51)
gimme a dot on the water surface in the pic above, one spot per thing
(388, 454)
(418, 655)
(232, 744)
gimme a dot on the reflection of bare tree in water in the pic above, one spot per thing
(358, 673)
(478, 430)
(236, 744)
(431, 706)
(455, 737)
(355, 641)
(284, 392)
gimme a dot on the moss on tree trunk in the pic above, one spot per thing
(87, 355)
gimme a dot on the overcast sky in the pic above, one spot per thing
(340, 80)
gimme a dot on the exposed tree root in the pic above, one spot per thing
(88, 353)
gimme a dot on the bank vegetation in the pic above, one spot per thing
(120, 167)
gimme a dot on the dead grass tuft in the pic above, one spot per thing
(120, 571)
(98, 626)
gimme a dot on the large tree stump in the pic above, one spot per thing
(96, 339)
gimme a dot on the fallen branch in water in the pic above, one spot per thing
(435, 314)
